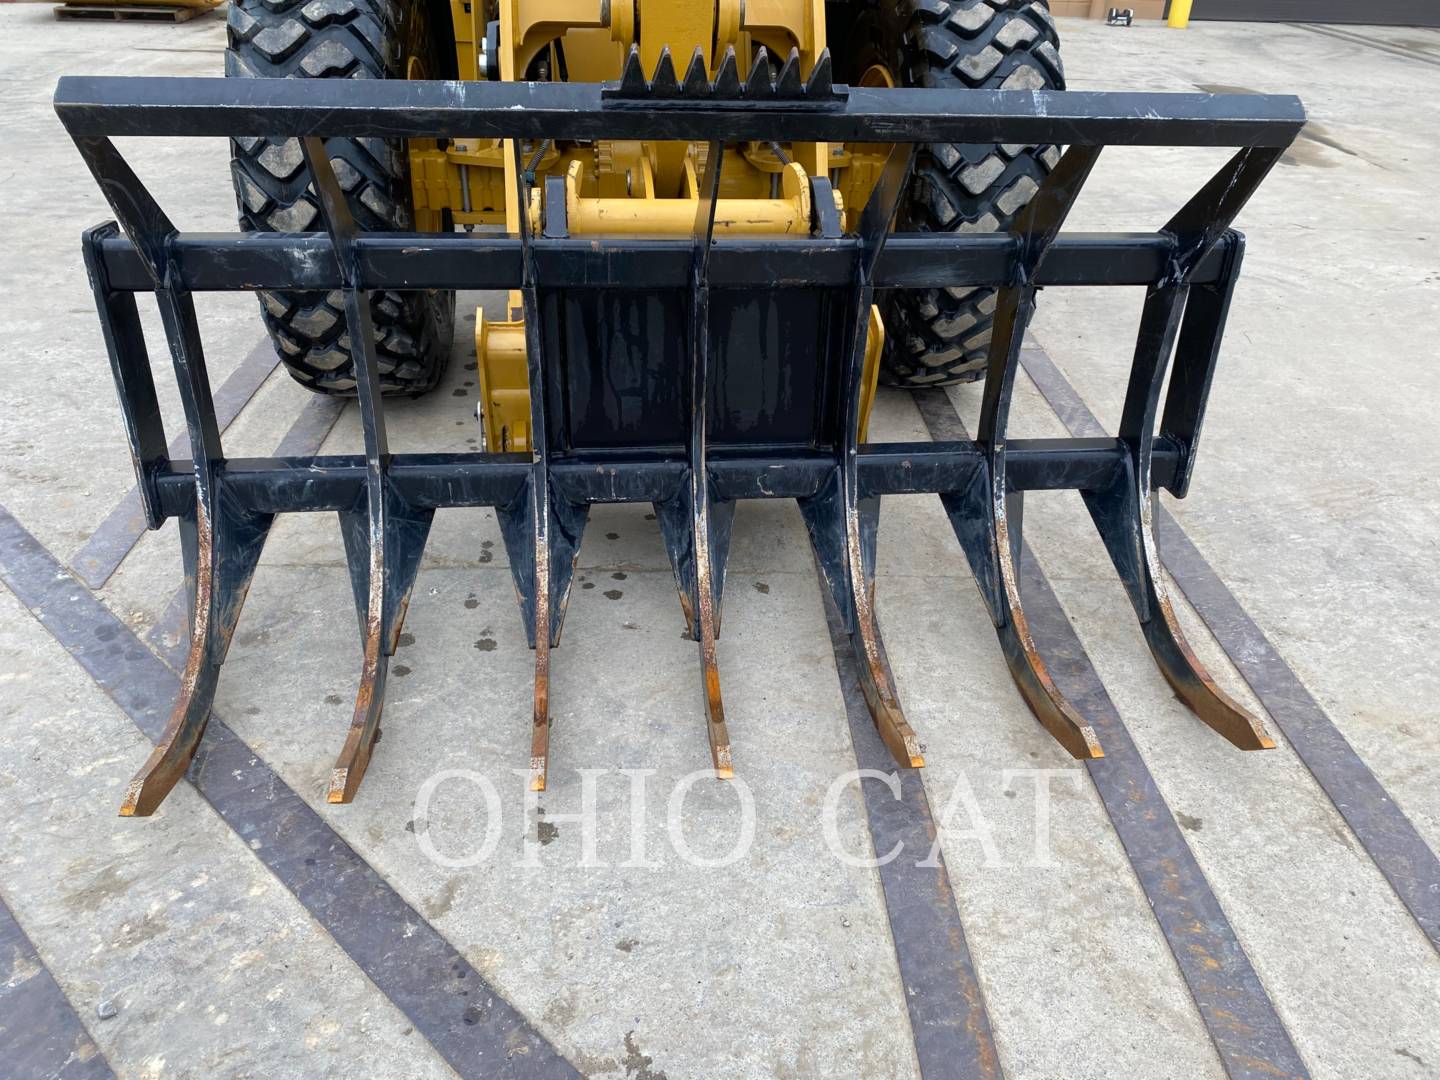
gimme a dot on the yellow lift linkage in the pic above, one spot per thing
(615, 187)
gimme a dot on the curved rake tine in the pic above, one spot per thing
(363, 530)
(222, 556)
(842, 522)
(1124, 516)
(707, 615)
(989, 530)
(220, 542)
(542, 547)
(878, 685)
(354, 757)
(843, 534)
(710, 529)
(385, 538)
(696, 530)
(383, 550)
(1054, 711)
(1183, 670)
(541, 531)
(988, 517)
(540, 628)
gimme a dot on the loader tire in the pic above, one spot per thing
(936, 337)
(340, 39)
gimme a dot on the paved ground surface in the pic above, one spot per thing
(1316, 502)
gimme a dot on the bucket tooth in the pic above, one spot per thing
(664, 84)
(542, 549)
(697, 77)
(822, 81)
(632, 77)
(788, 85)
(382, 551)
(758, 84)
(727, 77)
(843, 537)
(221, 547)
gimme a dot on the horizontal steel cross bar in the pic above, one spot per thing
(435, 481)
(208, 262)
(108, 105)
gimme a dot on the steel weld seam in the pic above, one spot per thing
(1238, 1014)
(458, 1012)
(42, 1036)
(117, 535)
(1385, 832)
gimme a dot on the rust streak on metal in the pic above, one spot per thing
(875, 679)
(1200, 691)
(172, 754)
(1055, 713)
(354, 756)
(718, 734)
(540, 716)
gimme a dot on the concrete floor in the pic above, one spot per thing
(1316, 499)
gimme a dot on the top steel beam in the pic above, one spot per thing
(106, 105)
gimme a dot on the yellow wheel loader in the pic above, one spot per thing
(930, 336)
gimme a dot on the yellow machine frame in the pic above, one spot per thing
(618, 187)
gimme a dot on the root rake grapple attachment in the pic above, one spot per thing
(745, 380)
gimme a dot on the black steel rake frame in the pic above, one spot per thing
(386, 501)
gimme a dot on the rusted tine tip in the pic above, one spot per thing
(364, 732)
(877, 682)
(170, 759)
(540, 714)
(150, 785)
(1054, 711)
(720, 755)
(350, 769)
(899, 738)
(539, 748)
(343, 786)
(715, 729)
(1196, 687)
